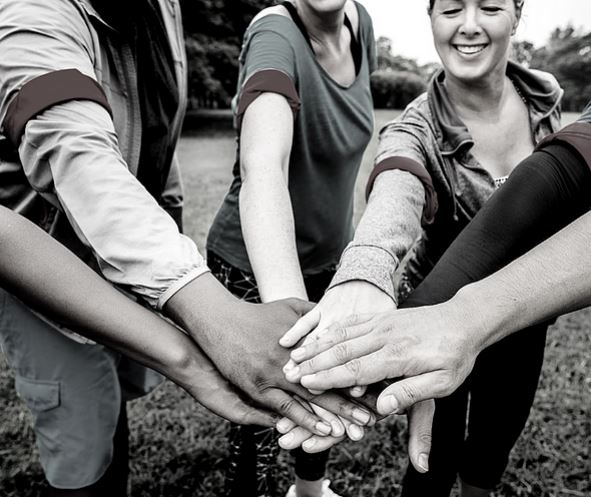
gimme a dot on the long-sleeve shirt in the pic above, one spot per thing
(74, 170)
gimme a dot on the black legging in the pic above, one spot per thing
(546, 192)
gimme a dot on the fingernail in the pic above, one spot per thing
(283, 426)
(306, 379)
(292, 374)
(337, 429)
(297, 354)
(424, 462)
(323, 428)
(308, 444)
(356, 391)
(361, 416)
(286, 440)
(390, 404)
(288, 367)
(356, 432)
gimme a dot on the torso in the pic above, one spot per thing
(336, 61)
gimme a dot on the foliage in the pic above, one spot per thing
(213, 34)
(567, 55)
(394, 89)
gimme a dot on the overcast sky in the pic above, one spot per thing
(407, 24)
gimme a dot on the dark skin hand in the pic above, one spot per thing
(242, 341)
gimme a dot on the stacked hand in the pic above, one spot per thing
(241, 339)
(425, 350)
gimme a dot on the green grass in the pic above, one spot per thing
(178, 448)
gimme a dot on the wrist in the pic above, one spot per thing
(198, 305)
(479, 317)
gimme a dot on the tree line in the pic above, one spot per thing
(213, 36)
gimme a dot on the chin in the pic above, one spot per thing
(325, 6)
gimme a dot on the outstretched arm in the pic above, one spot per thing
(51, 279)
(438, 344)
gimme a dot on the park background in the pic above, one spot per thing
(177, 447)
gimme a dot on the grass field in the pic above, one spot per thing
(178, 448)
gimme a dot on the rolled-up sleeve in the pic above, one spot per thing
(392, 219)
(70, 154)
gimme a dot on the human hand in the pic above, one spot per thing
(430, 349)
(354, 298)
(241, 339)
(420, 421)
(196, 374)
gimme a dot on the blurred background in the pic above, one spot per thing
(553, 36)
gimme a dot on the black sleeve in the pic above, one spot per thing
(546, 192)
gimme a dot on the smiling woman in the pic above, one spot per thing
(437, 164)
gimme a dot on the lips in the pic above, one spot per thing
(470, 49)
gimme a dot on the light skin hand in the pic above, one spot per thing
(420, 421)
(241, 339)
(345, 301)
(397, 344)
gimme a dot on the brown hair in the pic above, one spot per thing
(518, 5)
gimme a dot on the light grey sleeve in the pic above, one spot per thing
(388, 228)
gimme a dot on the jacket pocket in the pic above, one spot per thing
(40, 396)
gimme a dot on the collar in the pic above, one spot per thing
(541, 92)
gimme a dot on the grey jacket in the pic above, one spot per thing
(439, 188)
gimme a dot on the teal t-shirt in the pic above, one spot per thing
(586, 114)
(331, 131)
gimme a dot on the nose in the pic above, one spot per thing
(470, 26)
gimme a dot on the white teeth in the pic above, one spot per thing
(470, 49)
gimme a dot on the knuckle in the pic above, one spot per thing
(341, 352)
(354, 367)
(410, 393)
(286, 405)
(425, 438)
(341, 333)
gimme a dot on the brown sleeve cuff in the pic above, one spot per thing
(413, 167)
(45, 91)
(267, 80)
(577, 135)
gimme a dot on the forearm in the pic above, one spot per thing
(389, 226)
(72, 157)
(551, 279)
(269, 234)
(51, 279)
(266, 212)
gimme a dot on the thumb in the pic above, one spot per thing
(403, 394)
(302, 327)
(420, 425)
(248, 415)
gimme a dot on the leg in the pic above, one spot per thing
(252, 463)
(449, 426)
(114, 481)
(501, 399)
(73, 392)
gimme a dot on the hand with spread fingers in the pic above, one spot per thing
(400, 344)
(352, 300)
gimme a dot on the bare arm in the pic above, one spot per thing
(51, 279)
(265, 207)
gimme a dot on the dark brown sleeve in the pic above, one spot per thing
(577, 136)
(413, 167)
(45, 91)
(267, 80)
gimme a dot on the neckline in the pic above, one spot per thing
(313, 55)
